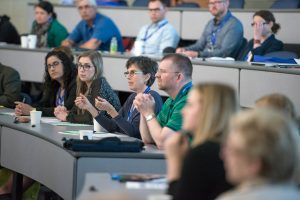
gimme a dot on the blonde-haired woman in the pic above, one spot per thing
(92, 84)
(197, 172)
(261, 156)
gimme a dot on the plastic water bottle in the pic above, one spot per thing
(113, 45)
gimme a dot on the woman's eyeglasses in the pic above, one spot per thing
(84, 66)
(253, 24)
(54, 64)
(131, 73)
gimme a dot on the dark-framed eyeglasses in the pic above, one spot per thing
(54, 64)
(154, 9)
(253, 23)
(84, 7)
(132, 73)
(161, 71)
(84, 66)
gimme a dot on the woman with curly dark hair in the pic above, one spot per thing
(59, 85)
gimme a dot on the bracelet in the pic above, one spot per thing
(149, 117)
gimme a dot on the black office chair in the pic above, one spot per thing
(282, 54)
(140, 3)
(286, 4)
(187, 5)
(239, 52)
(236, 3)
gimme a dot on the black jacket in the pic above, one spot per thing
(8, 32)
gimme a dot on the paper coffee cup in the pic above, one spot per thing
(88, 133)
(32, 39)
(35, 117)
(24, 41)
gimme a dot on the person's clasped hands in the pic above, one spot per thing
(61, 113)
(144, 103)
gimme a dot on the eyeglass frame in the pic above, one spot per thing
(264, 23)
(164, 72)
(154, 9)
(80, 8)
(132, 73)
(84, 66)
(54, 64)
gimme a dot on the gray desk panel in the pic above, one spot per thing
(30, 64)
(255, 84)
(117, 165)
(38, 159)
(203, 73)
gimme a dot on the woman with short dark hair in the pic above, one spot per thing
(140, 75)
(50, 33)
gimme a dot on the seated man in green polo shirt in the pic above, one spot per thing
(174, 76)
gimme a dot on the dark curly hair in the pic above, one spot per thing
(69, 70)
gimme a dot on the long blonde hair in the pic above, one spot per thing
(219, 102)
(82, 87)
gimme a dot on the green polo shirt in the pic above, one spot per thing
(170, 114)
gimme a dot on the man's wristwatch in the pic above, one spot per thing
(149, 117)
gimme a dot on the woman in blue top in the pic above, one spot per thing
(59, 87)
(264, 41)
(140, 75)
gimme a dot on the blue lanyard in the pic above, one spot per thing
(147, 90)
(146, 37)
(60, 99)
(213, 34)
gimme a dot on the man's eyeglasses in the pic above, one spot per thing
(54, 64)
(214, 3)
(131, 73)
(84, 7)
(154, 9)
(253, 23)
(164, 72)
(84, 66)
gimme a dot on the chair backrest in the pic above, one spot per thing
(239, 52)
(286, 4)
(140, 3)
(188, 5)
(26, 98)
(236, 3)
(282, 54)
